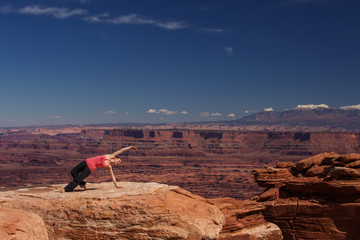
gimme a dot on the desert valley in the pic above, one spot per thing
(227, 166)
(212, 163)
(209, 163)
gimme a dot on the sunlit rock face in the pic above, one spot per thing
(134, 211)
(317, 198)
(21, 225)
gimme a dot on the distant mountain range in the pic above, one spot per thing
(329, 118)
(302, 119)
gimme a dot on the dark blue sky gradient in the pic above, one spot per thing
(224, 57)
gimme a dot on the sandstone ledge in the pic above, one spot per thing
(17, 224)
(316, 198)
(135, 211)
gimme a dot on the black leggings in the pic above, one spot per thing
(79, 173)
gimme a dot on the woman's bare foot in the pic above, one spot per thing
(84, 187)
(62, 191)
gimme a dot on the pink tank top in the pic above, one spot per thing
(96, 162)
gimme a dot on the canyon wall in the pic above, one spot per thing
(185, 143)
(208, 163)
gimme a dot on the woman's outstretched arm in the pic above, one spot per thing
(112, 176)
(123, 150)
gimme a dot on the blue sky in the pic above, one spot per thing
(101, 61)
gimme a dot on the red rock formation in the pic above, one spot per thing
(186, 142)
(135, 211)
(318, 198)
(243, 220)
(21, 225)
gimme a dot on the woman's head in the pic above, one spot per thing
(115, 160)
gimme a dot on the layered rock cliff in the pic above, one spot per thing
(316, 198)
(183, 143)
(244, 221)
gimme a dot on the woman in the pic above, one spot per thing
(84, 169)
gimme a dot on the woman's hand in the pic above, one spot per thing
(134, 148)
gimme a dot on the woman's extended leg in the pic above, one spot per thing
(77, 170)
(79, 176)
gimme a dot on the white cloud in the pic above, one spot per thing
(63, 12)
(250, 111)
(311, 106)
(171, 25)
(353, 107)
(165, 111)
(97, 18)
(56, 12)
(207, 114)
(204, 114)
(268, 110)
(229, 50)
(152, 111)
(53, 116)
(109, 112)
(231, 115)
(213, 30)
(136, 19)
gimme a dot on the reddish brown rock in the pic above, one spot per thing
(315, 170)
(21, 225)
(343, 173)
(303, 219)
(323, 204)
(355, 164)
(285, 164)
(136, 211)
(347, 158)
(245, 221)
(272, 177)
(269, 194)
(314, 160)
